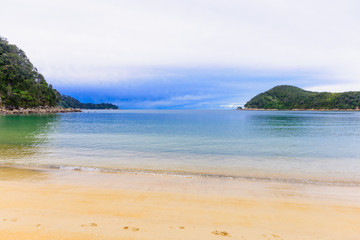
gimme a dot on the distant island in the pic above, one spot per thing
(285, 97)
(24, 90)
(70, 102)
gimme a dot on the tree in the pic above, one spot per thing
(21, 85)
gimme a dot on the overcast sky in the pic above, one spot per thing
(186, 54)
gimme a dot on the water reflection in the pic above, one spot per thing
(288, 145)
(21, 136)
(296, 124)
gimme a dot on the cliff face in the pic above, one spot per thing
(21, 85)
(290, 97)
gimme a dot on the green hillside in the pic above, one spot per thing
(290, 97)
(21, 85)
(70, 102)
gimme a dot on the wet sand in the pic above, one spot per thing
(59, 204)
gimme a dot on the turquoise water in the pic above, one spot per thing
(319, 147)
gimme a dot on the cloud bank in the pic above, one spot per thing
(212, 52)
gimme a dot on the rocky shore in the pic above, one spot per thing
(38, 110)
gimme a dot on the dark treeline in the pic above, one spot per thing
(70, 102)
(290, 97)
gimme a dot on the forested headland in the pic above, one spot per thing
(23, 87)
(70, 102)
(287, 97)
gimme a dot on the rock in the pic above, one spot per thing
(38, 110)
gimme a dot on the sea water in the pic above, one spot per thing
(296, 146)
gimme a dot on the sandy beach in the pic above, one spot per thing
(64, 204)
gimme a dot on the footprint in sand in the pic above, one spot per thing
(89, 225)
(221, 233)
(275, 236)
(272, 236)
(10, 219)
(181, 227)
(134, 229)
(37, 225)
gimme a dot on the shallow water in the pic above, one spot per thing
(320, 147)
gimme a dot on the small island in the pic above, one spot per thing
(285, 97)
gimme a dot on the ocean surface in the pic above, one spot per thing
(303, 147)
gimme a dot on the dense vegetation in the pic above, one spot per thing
(290, 97)
(70, 102)
(21, 85)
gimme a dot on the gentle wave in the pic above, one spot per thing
(204, 175)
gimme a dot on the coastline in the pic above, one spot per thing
(38, 110)
(66, 204)
(251, 177)
(313, 110)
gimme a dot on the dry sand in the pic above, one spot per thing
(58, 204)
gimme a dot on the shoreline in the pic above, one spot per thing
(38, 110)
(228, 185)
(271, 178)
(60, 204)
(310, 110)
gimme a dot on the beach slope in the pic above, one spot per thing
(36, 204)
